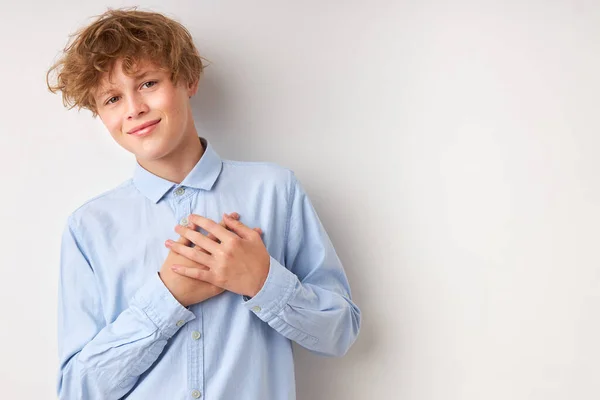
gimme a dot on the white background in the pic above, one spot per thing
(450, 149)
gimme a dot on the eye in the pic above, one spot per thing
(153, 83)
(109, 100)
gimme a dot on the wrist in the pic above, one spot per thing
(259, 284)
(179, 299)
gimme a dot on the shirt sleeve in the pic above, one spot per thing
(100, 360)
(308, 300)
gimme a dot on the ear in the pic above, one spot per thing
(192, 88)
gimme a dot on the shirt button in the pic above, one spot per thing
(196, 335)
(180, 191)
(183, 222)
(256, 308)
(196, 394)
(180, 322)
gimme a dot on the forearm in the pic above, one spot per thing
(321, 318)
(107, 366)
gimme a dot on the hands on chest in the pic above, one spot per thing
(231, 257)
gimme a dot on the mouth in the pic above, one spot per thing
(144, 128)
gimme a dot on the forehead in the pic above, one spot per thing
(107, 82)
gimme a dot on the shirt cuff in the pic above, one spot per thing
(275, 293)
(163, 309)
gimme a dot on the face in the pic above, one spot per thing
(125, 104)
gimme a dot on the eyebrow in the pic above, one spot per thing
(137, 77)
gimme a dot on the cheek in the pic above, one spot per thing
(112, 124)
(166, 103)
(176, 109)
(115, 127)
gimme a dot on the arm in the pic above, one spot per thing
(310, 300)
(100, 360)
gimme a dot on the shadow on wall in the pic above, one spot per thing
(212, 108)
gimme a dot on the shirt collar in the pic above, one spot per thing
(202, 176)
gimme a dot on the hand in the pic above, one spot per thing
(238, 261)
(186, 290)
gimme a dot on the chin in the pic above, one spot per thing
(152, 152)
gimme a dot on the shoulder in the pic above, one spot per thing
(262, 173)
(100, 205)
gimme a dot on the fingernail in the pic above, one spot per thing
(175, 267)
(169, 242)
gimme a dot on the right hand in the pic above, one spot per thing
(188, 291)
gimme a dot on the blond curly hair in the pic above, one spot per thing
(128, 33)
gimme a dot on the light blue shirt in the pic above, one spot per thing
(121, 332)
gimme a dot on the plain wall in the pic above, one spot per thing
(450, 149)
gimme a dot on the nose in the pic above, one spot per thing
(136, 106)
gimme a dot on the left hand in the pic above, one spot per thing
(239, 263)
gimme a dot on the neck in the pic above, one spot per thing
(177, 165)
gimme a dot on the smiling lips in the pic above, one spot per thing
(144, 128)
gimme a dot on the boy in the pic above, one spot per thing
(210, 312)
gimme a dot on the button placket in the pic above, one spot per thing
(194, 335)
(195, 344)
(186, 206)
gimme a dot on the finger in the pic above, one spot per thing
(211, 226)
(233, 215)
(239, 228)
(193, 226)
(183, 240)
(191, 272)
(259, 231)
(205, 260)
(210, 236)
(199, 239)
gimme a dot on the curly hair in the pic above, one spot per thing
(128, 34)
